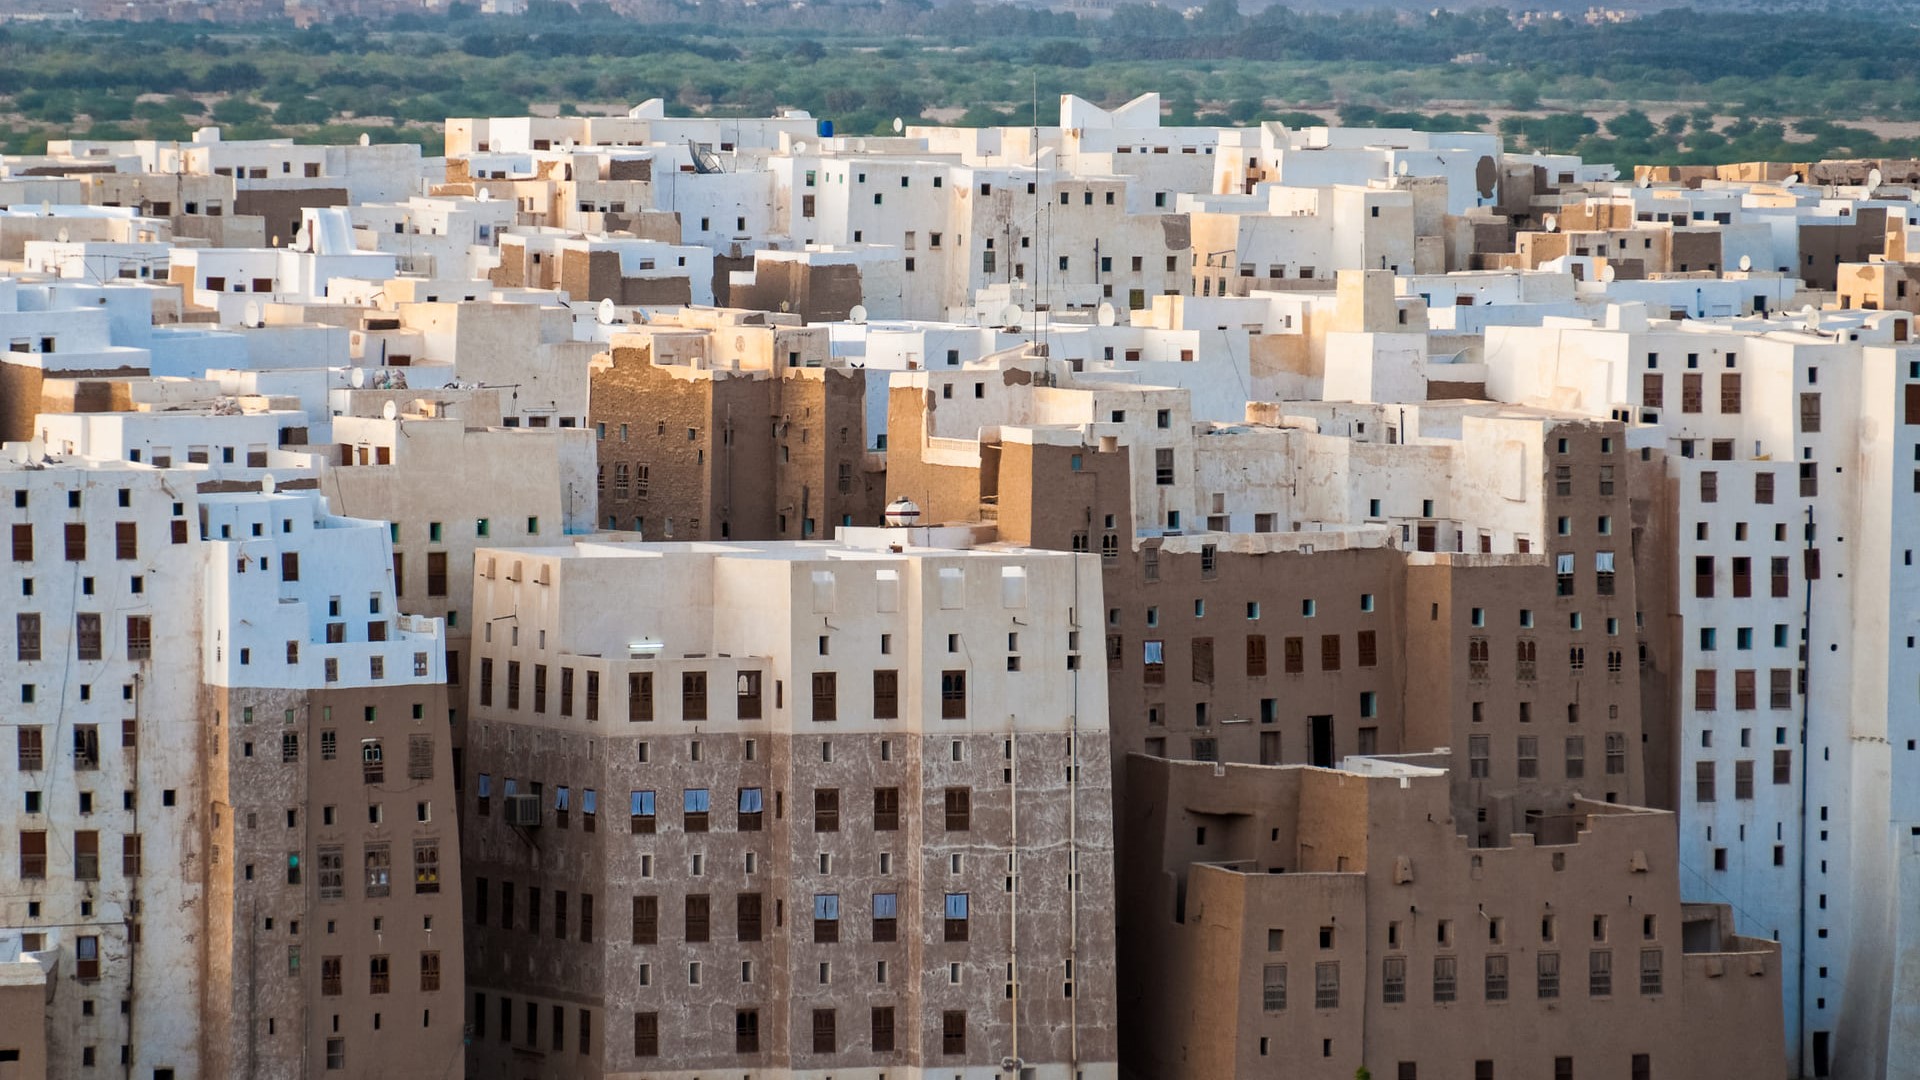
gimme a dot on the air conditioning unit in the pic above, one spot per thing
(523, 810)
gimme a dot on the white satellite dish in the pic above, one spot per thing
(1792, 179)
(251, 316)
(63, 235)
(1552, 222)
(857, 313)
(899, 125)
(1105, 315)
(268, 484)
(389, 411)
(606, 312)
(1608, 273)
(799, 148)
(1403, 168)
(1646, 180)
(1746, 262)
(358, 377)
(483, 195)
(366, 139)
(1873, 180)
(1010, 315)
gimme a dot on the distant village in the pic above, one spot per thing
(1304, 597)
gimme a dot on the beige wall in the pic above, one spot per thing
(272, 936)
(767, 455)
(24, 1000)
(1881, 286)
(752, 619)
(1363, 872)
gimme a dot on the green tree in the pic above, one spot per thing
(1245, 110)
(1523, 95)
(303, 110)
(1632, 124)
(1218, 18)
(984, 116)
(1062, 54)
(235, 111)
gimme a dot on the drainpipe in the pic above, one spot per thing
(1013, 937)
(133, 889)
(1073, 844)
(1806, 764)
(253, 991)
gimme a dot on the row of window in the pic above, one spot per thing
(1780, 688)
(1710, 482)
(1780, 575)
(86, 855)
(697, 916)
(1603, 572)
(1495, 985)
(126, 540)
(1640, 1067)
(1709, 637)
(530, 1032)
(123, 497)
(749, 702)
(379, 973)
(634, 478)
(1201, 654)
(373, 754)
(377, 866)
(330, 666)
(826, 1035)
(1444, 928)
(1526, 666)
(697, 804)
(1706, 784)
(88, 636)
(1653, 395)
(436, 572)
(1527, 756)
(30, 745)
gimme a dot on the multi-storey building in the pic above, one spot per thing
(186, 665)
(1515, 516)
(330, 936)
(1336, 921)
(1787, 455)
(868, 818)
(1278, 591)
(91, 773)
(446, 490)
(732, 425)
